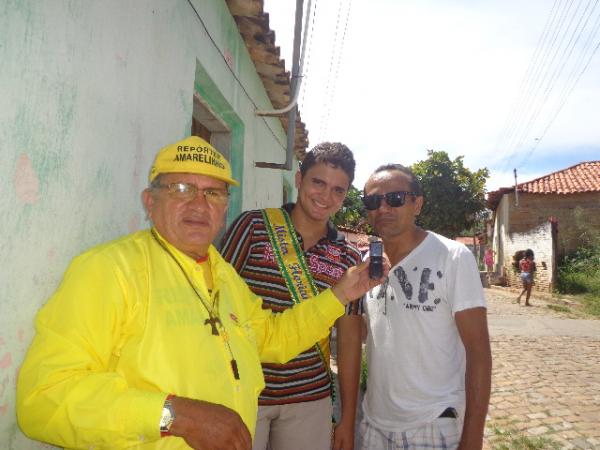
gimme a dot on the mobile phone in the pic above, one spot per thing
(376, 259)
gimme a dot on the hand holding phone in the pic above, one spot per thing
(376, 258)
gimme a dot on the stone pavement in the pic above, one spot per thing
(546, 375)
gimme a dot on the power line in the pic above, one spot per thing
(568, 89)
(337, 68)
(527, 77)
(530, 89)
(308, 53)
(329, 75)
(553, 56)
(549, 86)
(538, 81)
(283, 145)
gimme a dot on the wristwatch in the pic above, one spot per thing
(167, 417)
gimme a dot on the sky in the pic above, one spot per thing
(507, 84)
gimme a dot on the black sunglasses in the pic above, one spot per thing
(394, 199)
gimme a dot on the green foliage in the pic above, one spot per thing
(577, 283)
(352, 213)
(559, 308)
(579, 273)
(454, 196)
(591, 303)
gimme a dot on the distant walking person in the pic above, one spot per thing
(527, 267)
(488, 259)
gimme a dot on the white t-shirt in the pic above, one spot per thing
(416, 359)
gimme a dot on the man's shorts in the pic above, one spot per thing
(441, 434)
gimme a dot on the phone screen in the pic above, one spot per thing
(376, 249)
(376, 257)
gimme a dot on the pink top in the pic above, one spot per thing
(525, 265)
(489, 257)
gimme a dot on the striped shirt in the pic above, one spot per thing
(247, 247)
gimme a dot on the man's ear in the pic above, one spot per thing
(298, 179)
(418, 205)
(148, 202)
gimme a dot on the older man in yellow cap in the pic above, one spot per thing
(153, 341)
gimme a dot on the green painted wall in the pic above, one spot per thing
(89, 91)
(218, 104)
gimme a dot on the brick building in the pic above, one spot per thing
(548, 215)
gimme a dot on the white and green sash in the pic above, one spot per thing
(293, 267)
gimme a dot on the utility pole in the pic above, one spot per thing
(516, 188)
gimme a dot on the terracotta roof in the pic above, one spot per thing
(582, 177)
(467, 240)
(253, 24)
(356, 237)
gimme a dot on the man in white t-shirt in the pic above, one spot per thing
(428, 350)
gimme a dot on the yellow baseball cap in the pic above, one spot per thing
(192, 155)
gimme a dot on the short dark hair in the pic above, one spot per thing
(415, 184)
(529, 253)
(334, 153)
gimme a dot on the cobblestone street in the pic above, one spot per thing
(546, 375)
(546, 379)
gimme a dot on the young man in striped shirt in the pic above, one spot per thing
(296, 405)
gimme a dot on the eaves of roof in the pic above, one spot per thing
(253, 24)
(580, 178)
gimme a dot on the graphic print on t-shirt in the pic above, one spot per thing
(422, 302)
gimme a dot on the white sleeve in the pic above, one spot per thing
(465, 290)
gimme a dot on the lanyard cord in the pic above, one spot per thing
(192, 285)
(213, 317)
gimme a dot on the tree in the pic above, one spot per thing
(454, 196)
(352, 213)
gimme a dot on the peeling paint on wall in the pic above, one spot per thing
(88, 93)
(51, 255)
(6, 364)
(5, 361)
(27, 183)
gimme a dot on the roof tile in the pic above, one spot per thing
(580, 178)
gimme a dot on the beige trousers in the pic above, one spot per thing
(296, 426)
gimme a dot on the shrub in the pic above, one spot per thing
(572, 283)
(592, 304)
(579, 273)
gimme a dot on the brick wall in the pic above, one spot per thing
(538, 239)
(573, 212)
(528, 226)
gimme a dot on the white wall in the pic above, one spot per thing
(507, 242)
(89, 91)
(540, 240)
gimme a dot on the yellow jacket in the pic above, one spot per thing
(125, 328)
